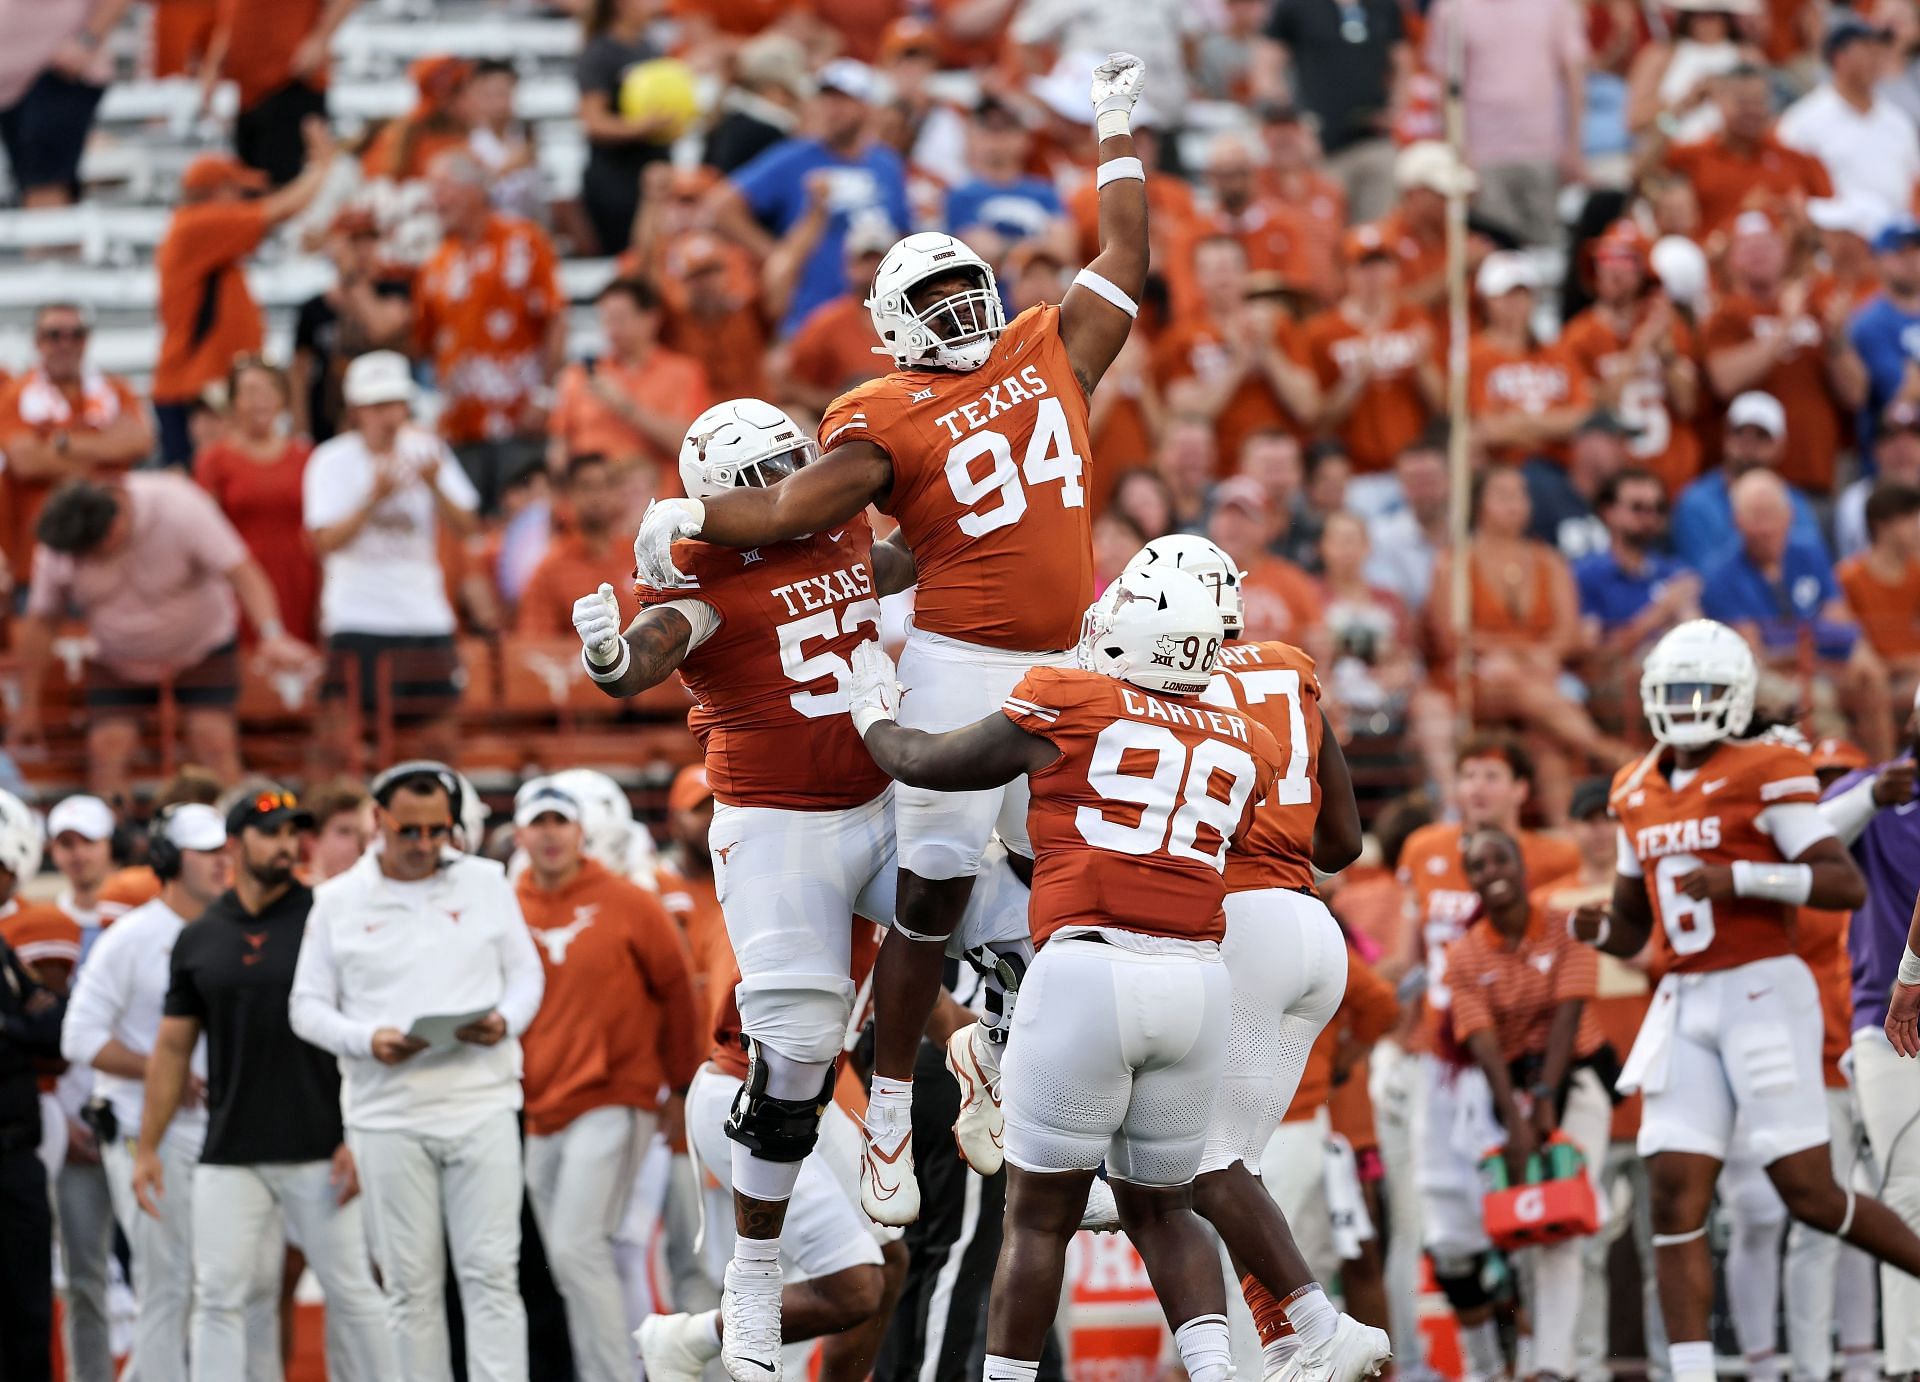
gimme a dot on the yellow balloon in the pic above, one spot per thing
(661, 90)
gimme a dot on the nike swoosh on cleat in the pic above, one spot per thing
(765, 1367)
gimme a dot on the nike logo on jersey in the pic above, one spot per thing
(835, 537)
(1755, 995)
(1707, 789)
(922, 396)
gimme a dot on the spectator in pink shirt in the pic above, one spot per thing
(1526, 100)
(158, 574)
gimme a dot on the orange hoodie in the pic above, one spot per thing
(619, 1021)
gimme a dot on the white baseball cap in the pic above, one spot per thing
(1756, 409)
(1503, 272)
(379, 376)
(88, 817)
(541, 797)
(194, 826)
(1431, 163)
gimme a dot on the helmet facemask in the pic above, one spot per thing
(1693, 714)
(771, 470)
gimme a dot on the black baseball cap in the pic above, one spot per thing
(1590, 799)
(268, 810)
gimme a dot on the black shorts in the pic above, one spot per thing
(46, 130)
(424, 672)
(213, 683)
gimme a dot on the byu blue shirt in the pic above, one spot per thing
(1887, 339)
(1614, 595)
(1702, 528)
(1737, 591)
(873, 183)
(1016, 210)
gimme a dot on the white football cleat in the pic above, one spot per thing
(1355, 1351)
(889, 1190)
(750, 1324)
(1101, 1215)
(980, 1130)
(675, 1348)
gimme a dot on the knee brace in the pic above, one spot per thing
(801, 1016)
(1469, 1281)
(1003, 967)
(774, 1129)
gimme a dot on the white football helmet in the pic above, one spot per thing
(1698, 684)
(21, 839)
(743, 442)
(473, 817)
(1158, 629)
(955, 333)
(1204, 560)
(612, 835)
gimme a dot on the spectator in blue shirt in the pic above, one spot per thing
(1886, 332)
(1782, 597)
(1755, 439)
(1566, 511)
(998, 203)
(1633, 592)
(1896, 457)
(863, 178)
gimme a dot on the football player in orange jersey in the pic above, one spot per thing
(1310, 821)
(1720, 840)
(978, 444)
(1138, 790)
(803, 824)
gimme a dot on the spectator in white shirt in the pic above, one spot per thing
(1868, 144)
(113, 1016)
(373, 500)
(413, 934)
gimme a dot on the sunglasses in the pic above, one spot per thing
(441, 831)
(1645, 508)
(63, 333)
(275, 801)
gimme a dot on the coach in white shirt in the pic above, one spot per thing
(112, 1017)
(417, 931)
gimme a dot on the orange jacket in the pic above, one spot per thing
(619, 1022)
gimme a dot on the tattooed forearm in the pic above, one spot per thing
(656, 646)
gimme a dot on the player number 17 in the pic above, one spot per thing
(1050, 456)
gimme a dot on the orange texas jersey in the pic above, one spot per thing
(1131, 824)
(1436, 882)
(1714, 819)
(990, 487)
(1274, 684)
(771, 680)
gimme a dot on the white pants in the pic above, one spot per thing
(423, 1193)
(1293, 1167)
(162, 1252)
(1393, 1076)
(578, 1180)
(952, 684)
(241, 1216)
(1889, 1096)
(1550, 1277)
(826, 1231)
(1115, 1053)
(1278, 1010)
(1453, 1125)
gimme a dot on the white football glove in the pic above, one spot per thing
(873, 692)
(666, 522)
(596, 618)
(1117, 84)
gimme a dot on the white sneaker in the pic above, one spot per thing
(889, 1191)
(675, 1348)
(980, 1131)
(750, 1324)
(1101, 1215)
(1355, 1351)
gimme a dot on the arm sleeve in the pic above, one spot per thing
(99, 992)
(526, 981)
(701, 617)
(669, 978)
(1795, 827)
(313, 1009)
(1850, 810)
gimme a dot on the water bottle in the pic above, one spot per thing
(1493, 1170)
(1564, 1160)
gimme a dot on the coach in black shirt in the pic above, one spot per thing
(274, 1147)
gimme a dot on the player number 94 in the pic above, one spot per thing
(1050, 456)
(1689, 920)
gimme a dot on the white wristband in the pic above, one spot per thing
(1108, 123)
(866, 717)
(1119, 170)
(607, 674)
(1909, 967)
(1788, 883)
(1103, 288)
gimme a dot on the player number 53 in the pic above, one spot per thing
(806, 670)
(1050, 456)
(1173, 794)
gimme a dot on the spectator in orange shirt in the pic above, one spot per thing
(1282, 245)
(1882, 584)
(1170, 211)
(590, 551)
(1282, 601)
(715, 313)
(1244, 354)
(1426, 173)
(688, 892)
(1527, 398)
(1744, 167)
(1294, 174)
(618, 1023)
(207, 315)
(278, 58)
(635, 402)
(492, 319)
(62, 420)
(406, 147)
(833, 349)
(1636, 352)
(1787, 338)
(1373, 357)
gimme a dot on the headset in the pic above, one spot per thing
(388, 782)
(163, 855)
